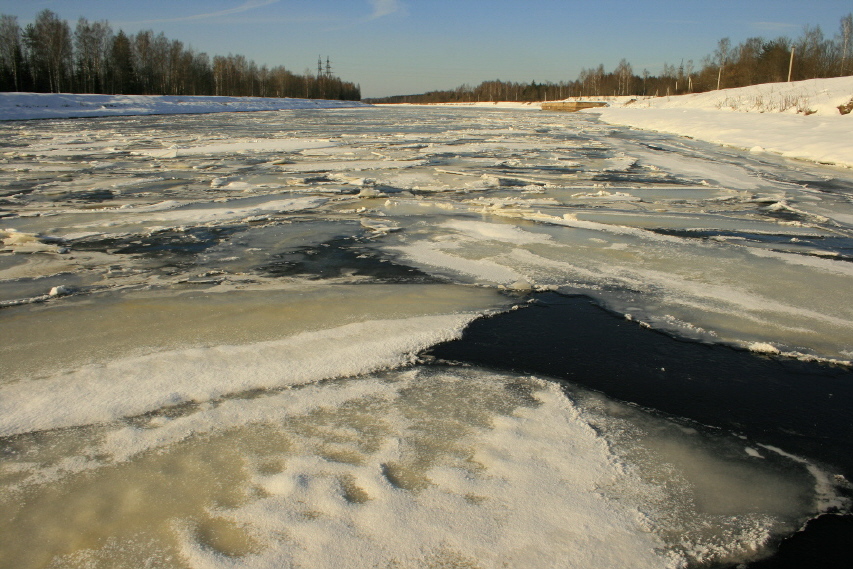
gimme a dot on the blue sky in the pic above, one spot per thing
(410, 46)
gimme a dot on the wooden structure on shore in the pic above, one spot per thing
(571, 106)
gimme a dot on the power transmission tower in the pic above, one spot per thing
(319, 66)
(328, 67)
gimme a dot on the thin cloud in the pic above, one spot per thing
(382, 8)
(245, 7)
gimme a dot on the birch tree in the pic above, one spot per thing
(48, 42)
(92, 43)
(11, 52)
(846, 38)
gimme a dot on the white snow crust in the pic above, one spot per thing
(202, 374)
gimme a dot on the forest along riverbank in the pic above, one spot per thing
(239, 338)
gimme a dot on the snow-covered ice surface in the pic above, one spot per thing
(22, 106)
(214, 327)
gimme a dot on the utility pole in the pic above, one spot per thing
(791, 64)
(723, 56)
(320, 82)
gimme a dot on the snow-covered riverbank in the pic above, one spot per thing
(796, 120)
(22, 106)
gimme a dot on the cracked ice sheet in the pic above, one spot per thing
(413, 467)
(654, 278)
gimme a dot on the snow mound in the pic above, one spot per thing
(820, 97)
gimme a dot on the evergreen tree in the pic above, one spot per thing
(122, 79)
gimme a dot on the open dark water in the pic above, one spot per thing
(419, 337)
(800, 406)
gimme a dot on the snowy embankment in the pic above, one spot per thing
(22, 106)
(797, 120)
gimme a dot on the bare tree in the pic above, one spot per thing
(624, 74)
(92, 43)
(48, 42)
(813, 52)
(846, 33)
(143, 54)
(11, 51)
(160, 63)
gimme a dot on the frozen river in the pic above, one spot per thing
(415, 337)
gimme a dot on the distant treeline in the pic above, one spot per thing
(755, 61)
(48, 57)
